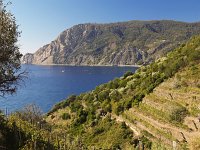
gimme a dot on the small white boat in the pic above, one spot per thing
(63, 71)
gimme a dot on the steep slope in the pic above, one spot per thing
(171, 112)
(126, 43)
(159, 102)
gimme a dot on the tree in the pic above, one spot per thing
(31, 113)
(10, 73)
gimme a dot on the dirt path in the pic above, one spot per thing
(127, 122)
(178, 133)
(136, 128)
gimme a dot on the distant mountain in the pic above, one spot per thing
(125, 43)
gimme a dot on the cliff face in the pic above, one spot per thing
(126, 43)
(28, 58)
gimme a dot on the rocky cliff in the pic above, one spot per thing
(125, 43)
(28, 58)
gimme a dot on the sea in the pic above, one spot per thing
(45, 86)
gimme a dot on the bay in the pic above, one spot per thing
(47, 85)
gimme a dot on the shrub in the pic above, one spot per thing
(66, 116)
(82, 117)
(106, 106)
(98, 131)
(146, 142)
(123, 125)
(88, 97)
(75, 106)
(128, 73)
(103, 95)
(123, 83)
(115, 95)
(135, 103)
(178, 113)
(71, 98)
(128, 104)
(138, 97)
(117, 109)
(114, 84)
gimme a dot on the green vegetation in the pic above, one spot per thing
(86, 121)
(123, 93)
(66, 116)
(10, 56)
(107, 134)
(10, 76)
(19, 134)
(178, 114)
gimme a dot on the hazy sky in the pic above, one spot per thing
(41, 21)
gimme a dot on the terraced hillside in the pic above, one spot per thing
(171, 112)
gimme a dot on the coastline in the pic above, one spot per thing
(138, 66)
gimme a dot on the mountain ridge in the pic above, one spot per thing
(122, 43)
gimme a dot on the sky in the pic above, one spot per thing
(41, 21)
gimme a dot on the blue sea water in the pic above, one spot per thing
(47, 85)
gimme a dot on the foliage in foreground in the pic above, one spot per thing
(10, 73)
